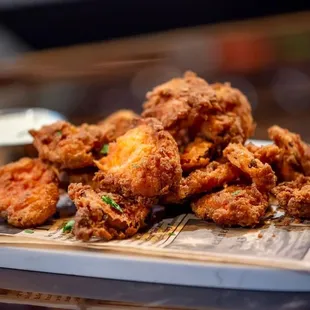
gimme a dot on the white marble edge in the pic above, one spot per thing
(154, 270)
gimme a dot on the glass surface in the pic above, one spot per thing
(151, 295)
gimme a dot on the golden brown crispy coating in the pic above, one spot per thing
(143, 162)
(197, 155)
(96, 218)
(68, 146)
(214, 176)
(294, 196)
(295, 153)
(181, 103)
(28, 192)
(222, 129)
(253, 148)
(117, 124)
(269, 154)
(190, 107)
(262, 174)
(233, 100)
(235, 205)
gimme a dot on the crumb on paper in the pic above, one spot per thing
(260, 235)
(286, 221)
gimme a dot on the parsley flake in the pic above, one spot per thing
(171, 234)
(69, 226)
(105, 149)
(112, 203)
(59, 133)
(28, 231)
(236, 193)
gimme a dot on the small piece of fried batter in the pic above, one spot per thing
(269, 154)
(261, 174)
(196, 155)
(214, 176)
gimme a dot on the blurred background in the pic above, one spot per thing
(85, 59)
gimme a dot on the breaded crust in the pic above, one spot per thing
(68, 146)
(235, 205)
(117, 124)
(143, 162)
(28, 192)
(197, 154)
(222, 129)
(295, 159)
(189, 107)
(262, 174)
(234, 101)
(269, 154)
(294, 196)
(214, 176)
(180, 104)
(96, 218)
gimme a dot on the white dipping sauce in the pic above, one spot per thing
(15, 123)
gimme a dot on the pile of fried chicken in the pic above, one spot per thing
(187, 147)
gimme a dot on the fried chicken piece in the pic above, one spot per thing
(269, 154)
(222, 129)
(214, 176)
(117, 124)
(28, 192)
(143, 162)
(262, 174)
(234, 205)
(197, 155)
(219, 173)
(97, 218)
(68, 146)
(181, 103)
(295, 159)
(233, 122)
(233, 100)
(190, 107)
(294, 197)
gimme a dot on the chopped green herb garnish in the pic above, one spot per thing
(28, 231)
(171, 234)
(112, 203)
(68, 227)
(59, 133)
(105, 149)
(236, 193)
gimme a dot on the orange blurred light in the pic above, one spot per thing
(244, 52)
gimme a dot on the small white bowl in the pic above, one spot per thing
(15, 123)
